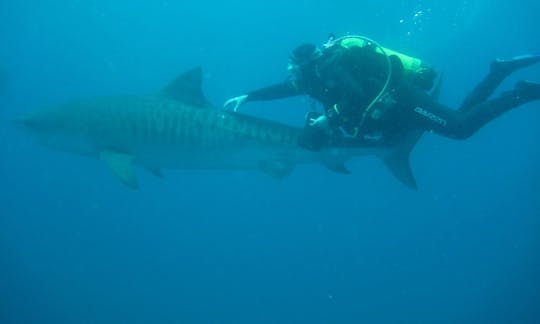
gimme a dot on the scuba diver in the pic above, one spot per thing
(375, 96)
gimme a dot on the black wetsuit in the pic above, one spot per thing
(342, 77)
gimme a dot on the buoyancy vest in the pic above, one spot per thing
(415, 71)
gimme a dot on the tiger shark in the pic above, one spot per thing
(178, 128)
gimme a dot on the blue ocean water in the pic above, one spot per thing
(239, 247)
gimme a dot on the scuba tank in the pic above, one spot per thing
(415, 71)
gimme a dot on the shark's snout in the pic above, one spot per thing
(26, 123)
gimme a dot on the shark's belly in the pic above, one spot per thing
(205, 142)
(219, 157)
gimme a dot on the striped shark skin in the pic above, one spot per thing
(177, 128)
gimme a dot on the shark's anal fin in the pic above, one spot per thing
(277, 169)
(398, 160)
(334, 161)
(121, 165)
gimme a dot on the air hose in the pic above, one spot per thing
(369, 108)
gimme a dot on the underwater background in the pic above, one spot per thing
(76, 246)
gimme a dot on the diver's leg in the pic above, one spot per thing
(499, 70)
(481, 114)
(459, 124)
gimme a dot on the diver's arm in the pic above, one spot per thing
(281, 90)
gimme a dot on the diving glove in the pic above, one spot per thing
(316, 133)
(321, 123)
(235, 102)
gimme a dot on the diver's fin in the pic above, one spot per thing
(398, 160)
(338, 167)
(277, 169)
(120, 165)
(515, 63)
(187, 88)
(527, 90)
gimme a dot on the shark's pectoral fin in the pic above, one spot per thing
(278, 169)
(338, 167)
(120, 165)
(155, 171)
(398, 160)
(436, 92)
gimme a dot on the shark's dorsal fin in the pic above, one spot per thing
(187, 88)
(398, 160)
(120, 165)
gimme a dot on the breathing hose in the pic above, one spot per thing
(369, 108)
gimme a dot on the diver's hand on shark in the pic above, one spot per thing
(321, 122)
(235, 102)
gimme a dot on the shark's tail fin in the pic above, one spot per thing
(398, 160)
(436, 92)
